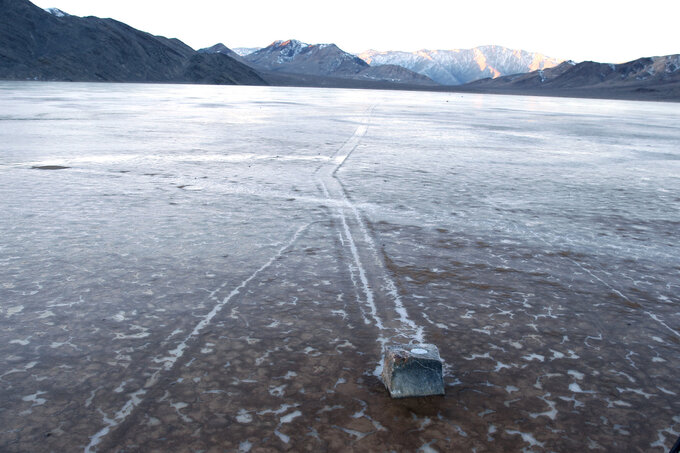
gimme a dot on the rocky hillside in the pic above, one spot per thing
(293, 56)
(456, 67)
(396, 74)
(655, 77)
(221, 48)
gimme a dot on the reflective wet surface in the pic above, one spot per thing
(196, 268)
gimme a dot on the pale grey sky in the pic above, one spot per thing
(600, 30)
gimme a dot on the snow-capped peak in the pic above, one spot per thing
(243, 51)
(289, 43)
(289, 49)
(56, 12)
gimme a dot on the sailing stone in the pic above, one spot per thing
(413, 370)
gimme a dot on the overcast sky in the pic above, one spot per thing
(599, 30)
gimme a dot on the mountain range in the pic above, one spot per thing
(445, 67)
(493, 69)
(37, 44)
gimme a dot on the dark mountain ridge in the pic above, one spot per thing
(39, 45)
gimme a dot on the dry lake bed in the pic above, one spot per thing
(208, 269)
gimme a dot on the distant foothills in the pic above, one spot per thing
(51, 45)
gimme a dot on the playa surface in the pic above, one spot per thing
(202, 268)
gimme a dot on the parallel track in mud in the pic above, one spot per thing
(380, 294)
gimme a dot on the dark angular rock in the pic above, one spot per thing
(413, 370)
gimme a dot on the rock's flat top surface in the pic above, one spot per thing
(416, 351)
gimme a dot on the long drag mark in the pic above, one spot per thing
(365, 286)
(328, 178)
